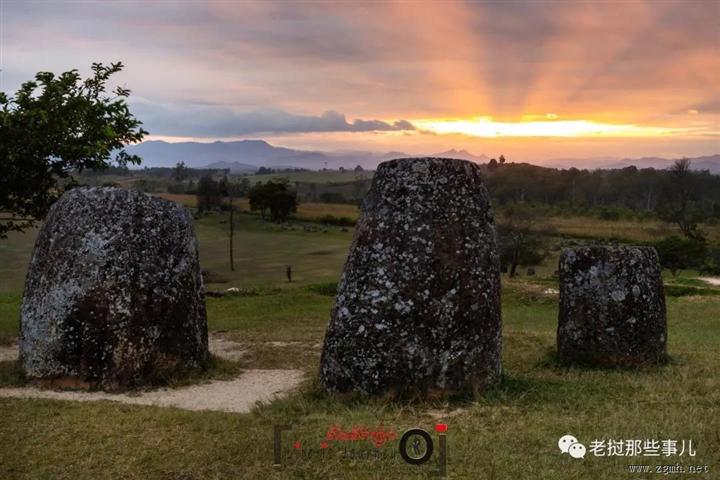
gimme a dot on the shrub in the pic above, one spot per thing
(328, 288)
(609, 214)
(680, 253)
(338, 221)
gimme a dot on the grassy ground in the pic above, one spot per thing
(510, 433)
(262, 250)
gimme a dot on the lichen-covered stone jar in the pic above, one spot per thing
(418, 302)
(612, 307)
(113, 296)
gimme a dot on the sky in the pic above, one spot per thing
(532, 80)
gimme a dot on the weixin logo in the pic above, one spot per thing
(649, 447)
(570, 445)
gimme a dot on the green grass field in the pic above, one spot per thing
(511, 432)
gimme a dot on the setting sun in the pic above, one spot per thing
(486, 127)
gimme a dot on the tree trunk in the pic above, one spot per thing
(514, 263)
(232, 232)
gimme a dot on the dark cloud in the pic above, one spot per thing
(216, 121)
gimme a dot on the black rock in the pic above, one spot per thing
(612, 307)
(418, 303)
(113, 295)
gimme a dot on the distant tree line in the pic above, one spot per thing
(270, 171)
(630, 188)
(678, 195)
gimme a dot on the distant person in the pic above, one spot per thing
(288, 272)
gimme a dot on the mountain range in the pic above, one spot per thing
(248, 155)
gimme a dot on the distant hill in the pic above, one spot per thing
(247, 155)
(253, 153)
(708, 162)
(463, 155)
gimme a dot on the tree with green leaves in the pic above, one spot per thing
(681, 208)
(209, 194)
(518, 243)
(180, 172)
(55, 126)
(275, 196)
(678, 253)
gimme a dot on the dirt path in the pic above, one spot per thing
(714, 281)
(238, 395)
(8, 353)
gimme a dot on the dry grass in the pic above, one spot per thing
(630, 230)
(584, 227)
(306, 211)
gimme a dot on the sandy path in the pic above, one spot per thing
(238, 395)
(8, 353)
(714, 281)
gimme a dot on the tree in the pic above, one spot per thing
(243, 188)
(232, 190)
(681, 209)
(282, 204)
(55, 126)
(258, 197)
(180, 172)
(275, 196)
(229, 190)
(518, 244)
(209, 196)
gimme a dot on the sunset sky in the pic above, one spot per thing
(531, 79)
